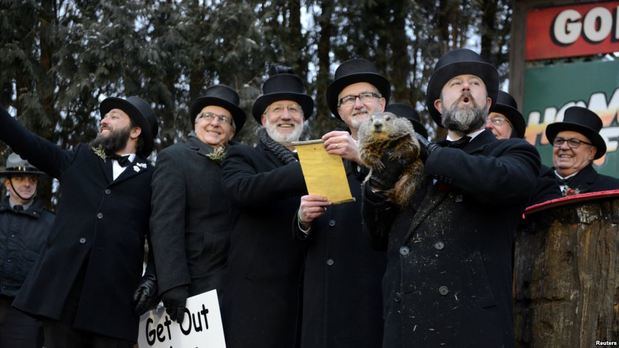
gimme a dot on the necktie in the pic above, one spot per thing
(18, 207)
(123, 161)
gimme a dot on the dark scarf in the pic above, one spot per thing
(280, 151)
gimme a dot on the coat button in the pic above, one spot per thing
(82, 240)
(99, 216)
(404, 250)
(12, 236)
(330, 262)
(443, 290)
(397, 297)
(331, 222)
(439, 245)
(107, 191)
(9, 260)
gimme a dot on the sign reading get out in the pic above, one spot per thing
(574, 30)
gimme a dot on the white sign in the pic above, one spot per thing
(201, 327)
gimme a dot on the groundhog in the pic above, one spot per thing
(384, 133)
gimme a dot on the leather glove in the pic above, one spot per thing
(427, 147)
(385, 178)
(145, 296)
(174, 301)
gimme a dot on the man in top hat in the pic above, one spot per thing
(260, 305)
(191, 216)
(84, 284)
(24, 228)
(342, 276)
(448, 277)
(408, 112)
(504, 120)
(576, 143)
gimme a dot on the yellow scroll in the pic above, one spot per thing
(324, 173)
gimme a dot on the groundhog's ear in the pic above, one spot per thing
(438, 105)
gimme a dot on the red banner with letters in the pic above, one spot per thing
(574, 30)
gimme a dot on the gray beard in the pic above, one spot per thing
(464, 120)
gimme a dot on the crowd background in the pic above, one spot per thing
(61, 58)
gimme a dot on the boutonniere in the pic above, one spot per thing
(99, 152)
(571, 191)
(139, 166)
(218, 154)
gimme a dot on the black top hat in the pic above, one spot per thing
(15, 165)
(407, 111)
(141, 113)
(220, 95)
(583, 121)
(458, 62)
(506, 105)
(283, 87)
(353, 71)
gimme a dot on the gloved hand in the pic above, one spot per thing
(427, 147)
(385, 178)
(145, 296)
(174, 301)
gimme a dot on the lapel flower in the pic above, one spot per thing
(218, 154)
(99, 151)
(571, 191)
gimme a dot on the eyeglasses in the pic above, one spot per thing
(364, 97)
(210, 117)
(573, 143)
(498, 121)
(279, 109)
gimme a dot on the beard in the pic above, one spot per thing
(115, 141)
(283, 138)
(464, 119)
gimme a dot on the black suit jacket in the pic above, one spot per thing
(191, 218)
(587, 180)
(262, 282)
(448, 278)
(99, 230)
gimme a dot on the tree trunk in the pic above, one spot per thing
(400, 62)
(566, 276)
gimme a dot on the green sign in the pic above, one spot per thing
(551, 89)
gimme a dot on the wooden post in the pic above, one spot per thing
(566, 276)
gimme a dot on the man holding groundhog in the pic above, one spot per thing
(448, 276)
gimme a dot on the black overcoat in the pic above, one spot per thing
(100, 227)
(342, 297)
(191, 218)
(587, 180)
(262, 282)
(22, 238)
(448, 278)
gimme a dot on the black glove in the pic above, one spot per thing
(174, 301)
(386, 177)
(427, 147)
(145, 296)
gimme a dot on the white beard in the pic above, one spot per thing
(283, 138)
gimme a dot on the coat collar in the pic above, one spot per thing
(35, 210)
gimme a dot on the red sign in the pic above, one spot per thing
(574, 30)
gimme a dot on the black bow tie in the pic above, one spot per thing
(460, 143)
(122, 160)
(18, 207)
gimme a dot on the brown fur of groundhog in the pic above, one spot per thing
(386, 132)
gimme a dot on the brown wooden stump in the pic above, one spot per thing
(566, 276)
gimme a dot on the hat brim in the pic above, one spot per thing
(306, 102)
(514, 116)
(237, 113)
(20, 172)
(596, 139)
(485, 71)
(135, 114)
(334, 89)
